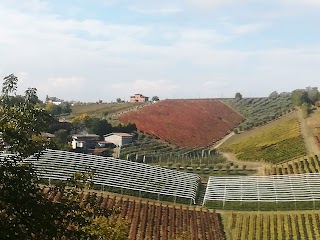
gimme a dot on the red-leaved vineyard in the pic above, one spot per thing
(151, 220)
(185, 123)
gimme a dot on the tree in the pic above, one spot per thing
(155, 99)
(298, 97)
(119, 100)
(24, 211)
(238, 96)
(313, 94)
(274, 94)
(61, 137)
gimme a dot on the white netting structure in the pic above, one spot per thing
(274, 188)
(111, 172)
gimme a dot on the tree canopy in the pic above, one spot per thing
(25, 212)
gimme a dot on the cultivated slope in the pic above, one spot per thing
(185, 123)
(274, 143)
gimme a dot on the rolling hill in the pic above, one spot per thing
(185, 123)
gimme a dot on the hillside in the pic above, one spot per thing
(259, 111)
(185, 123)
(275, 142)
(103, 109)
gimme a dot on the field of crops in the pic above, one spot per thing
(310, 164)
(185, 123)
(103, 109)
(150, 220)
(298, 225)
(259, 111)
(274, 144)
(202, 161)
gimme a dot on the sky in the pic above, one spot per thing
(90, 50)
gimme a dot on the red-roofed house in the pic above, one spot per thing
(118, 139)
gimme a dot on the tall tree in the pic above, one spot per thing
(24, 212)
(238, 96)
(298, 97)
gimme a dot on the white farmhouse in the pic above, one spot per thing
(118, 139)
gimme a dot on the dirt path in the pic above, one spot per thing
(306, 131)
(259, 167)
(223, 140)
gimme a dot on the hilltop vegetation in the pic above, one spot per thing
(274, 144)
(185, 123)
(259, 111)
(103, 109)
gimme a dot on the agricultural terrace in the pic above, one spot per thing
(259, 111)
(308, 164)
(274, 144)
(103, 109)
(205, 162)
(275, 192)
(272, 225)
(185, 123)
(151, 220)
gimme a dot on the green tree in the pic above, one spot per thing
(24, 211)
(274, 94)
(155, 99)
(298, 97)
(238, 96)
(65, 108)
(313, 94)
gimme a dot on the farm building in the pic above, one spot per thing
(139, 98)
(53, 100)
(84, 141)
(118, 139)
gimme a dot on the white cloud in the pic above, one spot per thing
(248, 28)
(213, 3)
(307, 3)
(92, 59)
(160, 10)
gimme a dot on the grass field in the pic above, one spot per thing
(277, 142)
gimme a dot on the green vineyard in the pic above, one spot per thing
(275, 144)
(310, 164)
(301, 225)
(259, 111)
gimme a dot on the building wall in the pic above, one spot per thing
(115, 139)
(118, 140)
(139, 98)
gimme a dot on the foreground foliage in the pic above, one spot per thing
(275, 144)
(25, 213)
